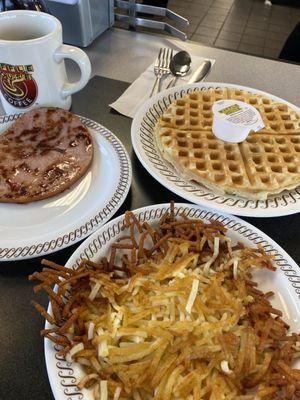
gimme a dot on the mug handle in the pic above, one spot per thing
(79, 56)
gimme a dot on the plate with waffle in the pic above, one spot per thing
(172, 137)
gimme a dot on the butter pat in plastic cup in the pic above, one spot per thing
(233, 120)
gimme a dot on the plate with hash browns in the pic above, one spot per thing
(173, 302)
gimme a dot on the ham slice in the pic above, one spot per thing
(43, 153)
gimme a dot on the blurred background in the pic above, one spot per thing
(267, 28)
(255, 27)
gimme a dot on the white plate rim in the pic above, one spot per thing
(60, 372)
(145, 148)
(93, 222)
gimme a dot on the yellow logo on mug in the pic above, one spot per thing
(17, 85)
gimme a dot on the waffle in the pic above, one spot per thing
(266, 163)
(194, 111)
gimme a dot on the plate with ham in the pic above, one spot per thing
(61, 177)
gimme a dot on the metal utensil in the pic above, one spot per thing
(180, 65)
(133, 8)
(201, 72)
(161, 68)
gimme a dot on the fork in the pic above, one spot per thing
(161, 67)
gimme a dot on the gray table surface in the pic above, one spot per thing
(124, 55)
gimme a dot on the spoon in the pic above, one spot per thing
(180, 65)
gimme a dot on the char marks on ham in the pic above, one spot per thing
(43, 153)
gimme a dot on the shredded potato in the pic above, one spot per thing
(177, 319)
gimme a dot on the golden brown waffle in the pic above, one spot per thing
(278, 118)
(200, 156)
(272, 162)
(267, 162)
(194, 111)
(259, 166)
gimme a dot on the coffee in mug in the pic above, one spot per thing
(32, 67)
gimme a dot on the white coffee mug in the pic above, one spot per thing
(32, 67)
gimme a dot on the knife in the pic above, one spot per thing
(201, 72)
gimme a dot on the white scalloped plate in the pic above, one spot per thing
(145, 147)
(285, 282)
(45, 226)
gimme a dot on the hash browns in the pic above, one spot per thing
(172, 314)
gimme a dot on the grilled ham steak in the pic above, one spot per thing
(43, 153)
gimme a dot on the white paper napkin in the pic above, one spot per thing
(139, 91)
